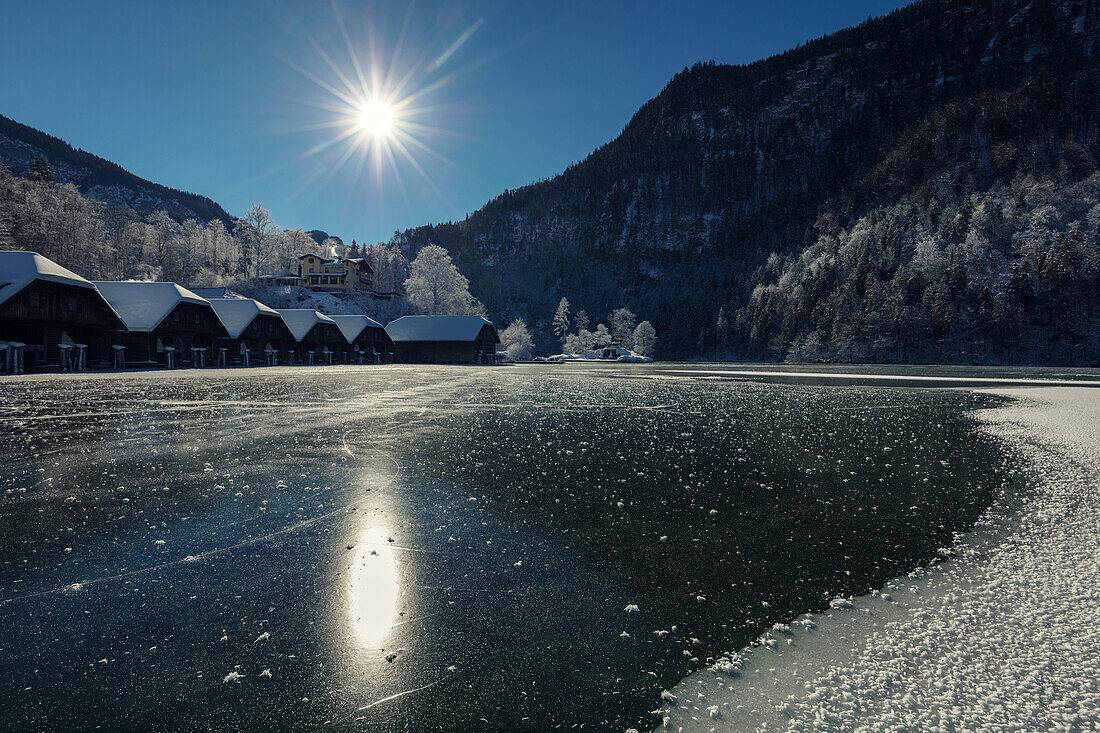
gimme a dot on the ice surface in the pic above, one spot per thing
(482, 509)
(1003, 636)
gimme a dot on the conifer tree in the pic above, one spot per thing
(40, 170)
(561, 320)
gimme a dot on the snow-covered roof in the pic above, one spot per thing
(301, 320)
(352, 326)
(142, 305)
(20, 269)
(437, 328)
(236, 314)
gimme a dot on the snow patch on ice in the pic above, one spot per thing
(1000, 635)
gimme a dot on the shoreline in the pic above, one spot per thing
(1000, 635)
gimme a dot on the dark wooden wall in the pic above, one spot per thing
(41, 312)
(58, 303)
(436, 352)
(375, 338)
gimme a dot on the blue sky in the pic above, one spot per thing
(248, 101)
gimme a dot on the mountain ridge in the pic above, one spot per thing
(99, 178)
(729, 166)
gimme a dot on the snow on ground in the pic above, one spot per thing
(1004, 635)
(617, 354)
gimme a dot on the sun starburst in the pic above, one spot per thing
(376, 118)
(379, 107)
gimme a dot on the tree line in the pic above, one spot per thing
(102, 242)
(1006, 275)
(576, 338)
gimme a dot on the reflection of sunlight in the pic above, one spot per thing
(373, 587)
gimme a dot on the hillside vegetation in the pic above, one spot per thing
(800, 207)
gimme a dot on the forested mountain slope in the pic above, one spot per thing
(919, 187)
(100, 179)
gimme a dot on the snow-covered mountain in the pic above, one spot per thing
(718, 186)
(98, 178)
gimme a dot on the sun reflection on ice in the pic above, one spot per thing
(374, 587)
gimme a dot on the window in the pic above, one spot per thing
(198, 319)
(177, 317)
(34, 300)
(71, 305)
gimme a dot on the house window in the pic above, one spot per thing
(34, 300)
(198, 319)
(71, 305)
(177, 317)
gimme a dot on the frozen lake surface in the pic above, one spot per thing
(1001, 636)
(421, 548)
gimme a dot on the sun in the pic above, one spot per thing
(381, 108)
(376, 118)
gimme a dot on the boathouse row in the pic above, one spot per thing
(52, 318)
(257, 333)
(166, 325)
(367, 338)
(49, 315)
(317, 337)
(445, 340)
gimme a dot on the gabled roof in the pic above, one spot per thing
(20, 269)
(301, 321)
(352, 326)
(237, 314)
(142, 306)
(438, 328)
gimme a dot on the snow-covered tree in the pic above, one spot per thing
(586, 341)
(391, 267)
(561, 320)
(436, 287)
(601, 337)
(330, 248)
(516, 340)
(255, 230)
(572, 344)
(645, 338)
(581, 321)
(622, 327)
(289, 245)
